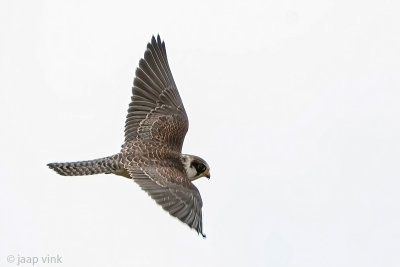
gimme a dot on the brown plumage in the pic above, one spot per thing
(155, 129)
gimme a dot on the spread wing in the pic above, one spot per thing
(155, 129)
(156, 112)
(167, 184)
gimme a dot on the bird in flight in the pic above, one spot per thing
(151, 155)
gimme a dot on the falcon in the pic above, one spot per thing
(151, 155)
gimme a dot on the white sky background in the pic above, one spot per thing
(294, 104)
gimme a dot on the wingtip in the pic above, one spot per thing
(200, 232)
(153, 40)
(156, 40)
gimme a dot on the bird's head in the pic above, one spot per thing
(195, 167)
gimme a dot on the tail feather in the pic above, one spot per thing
(104, 165)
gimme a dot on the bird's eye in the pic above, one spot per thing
(202, 168)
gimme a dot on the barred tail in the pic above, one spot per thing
(104, 165)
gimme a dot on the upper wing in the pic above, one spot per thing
(171, 189)
(156, 111)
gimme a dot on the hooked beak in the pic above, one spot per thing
(207, 174)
